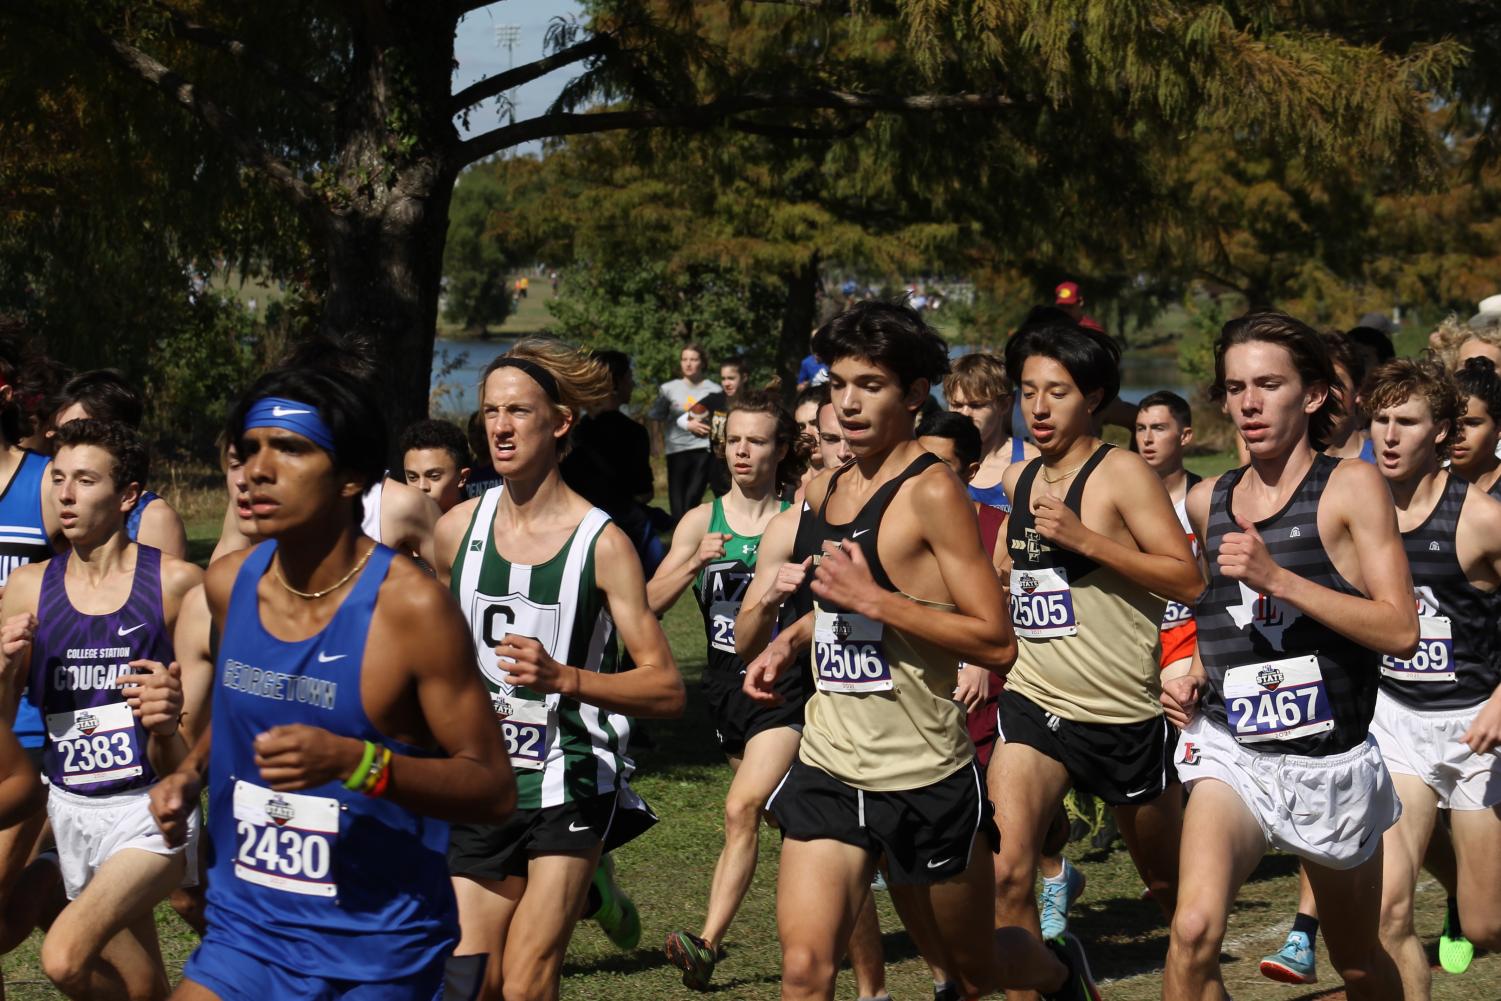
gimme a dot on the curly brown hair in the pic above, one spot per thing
(1401, 379)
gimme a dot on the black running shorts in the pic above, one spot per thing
(926, 834)
(1124, 764)
(496, 851)
(736, 718)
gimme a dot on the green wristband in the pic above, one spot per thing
(357, 777)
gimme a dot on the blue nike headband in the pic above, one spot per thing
(290, 415)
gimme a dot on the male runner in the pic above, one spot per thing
(1349, 438)
(1308, 586)
(91, 631)
(1438, 713)
(1164, 429)
(546, 581)
(435, 460)
(902, 592)
(1473, 454)
(1093, 542)
(348, 725)
(978, 388)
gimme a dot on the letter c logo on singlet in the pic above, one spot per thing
(488, 626)
(492, 617)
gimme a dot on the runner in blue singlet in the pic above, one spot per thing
(977, 386)
(349, 725)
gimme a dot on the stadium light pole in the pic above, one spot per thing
(508, 35)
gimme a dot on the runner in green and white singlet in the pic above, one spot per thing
(714, 549)
(546, 582)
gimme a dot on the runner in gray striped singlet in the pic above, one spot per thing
(1308, 585)
(1438, 713)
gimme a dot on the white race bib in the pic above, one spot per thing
(286, 841)
(96, 745)
(1042, 606)
(722, 625)
(1279, 700)
(527, 726)
(1434, 659)
(849, 654)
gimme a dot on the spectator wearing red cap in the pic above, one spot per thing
(1068, 298)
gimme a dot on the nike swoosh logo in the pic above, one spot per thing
(284, 412)
(122, 631)
(324, 658)
(939, 863)
(576, 829)
(1138, 792)
(856, 535)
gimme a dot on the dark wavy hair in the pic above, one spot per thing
(344, 404)
(887, 333)
(1310, 357)
(761, 401)
(121, 441)
(1477, 377)
(1092, 359)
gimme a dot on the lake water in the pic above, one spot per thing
(457, 366)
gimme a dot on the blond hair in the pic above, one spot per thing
(1451, 335)
(583, 381)
(979, 377)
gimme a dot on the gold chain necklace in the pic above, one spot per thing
(1063, 476)
(312, 595)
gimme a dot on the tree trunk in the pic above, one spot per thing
(798, 315)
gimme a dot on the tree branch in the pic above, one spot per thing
(227, 126)
(527, 72)
(800, 132)
(310, 93)
(558, 124)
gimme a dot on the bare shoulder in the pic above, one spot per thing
(412, 596)
(1355, 483)
(179, 576)
(696, 522)
(452, 526)
(1197, 502)
(1128, 469)
(23, 586)
(402, 497)
(1014, 471)
(1481, 516)
(613, 545)
(816, 489)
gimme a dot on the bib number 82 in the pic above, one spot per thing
(523, 740)
(282, 851)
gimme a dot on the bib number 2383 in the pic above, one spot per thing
(1280, 700)
(1434, 660)
(286, 841)
(1042, 606)
(848, 653)
(95, 745)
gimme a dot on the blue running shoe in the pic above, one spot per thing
(1056, 898)
(1294, 963)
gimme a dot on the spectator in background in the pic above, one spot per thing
(609, 464)
(685, 444)
(482, 474)
(104, 395)
(733, 375)
(435, 460)
(1372, 338)
(1068, 298)
(812, 371)
(1455, 341)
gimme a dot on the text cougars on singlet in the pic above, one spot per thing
(81, 677)
(268, 684)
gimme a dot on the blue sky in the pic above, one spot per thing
(478, 56)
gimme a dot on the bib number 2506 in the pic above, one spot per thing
(848, 653)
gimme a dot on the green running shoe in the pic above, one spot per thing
(1455, 952)
(693, 956)
(617, 914)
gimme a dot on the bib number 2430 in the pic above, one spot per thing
(286, 841)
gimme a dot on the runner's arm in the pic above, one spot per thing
(22, 591)
(21, 791)
(653, 688)
(764, 599)
(193, 644)
(415, 516)
(682, 562)
(1387, 621)
(448, 536)
(973, 632)
(161, 526)
(231, 539)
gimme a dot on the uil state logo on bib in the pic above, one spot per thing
(493, 617)
(86, 722)
(280, 811)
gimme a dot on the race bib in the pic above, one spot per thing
(95, 745)
(1279, 700)
(722, 625)
(849, 654)
(286, 841)
(1042, 606)
(1176, 615)
(1434, 659)
(527, 726)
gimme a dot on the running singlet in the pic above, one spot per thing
(324, 881)
(995, 494)
(95, 744)
(1088, 638)
(370, 506)
(133, 520)
(562, 750)
(1368, 451)
(23, 540)
(1280, 681)
(719, 587)
(1455, 666)
(882, 717)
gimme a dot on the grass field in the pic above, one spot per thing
(667, 872)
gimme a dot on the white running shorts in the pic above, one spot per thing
(1427, 745)
(91, 829)
(1331, 811)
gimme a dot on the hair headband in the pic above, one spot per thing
(290, 415)
(539, 375)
